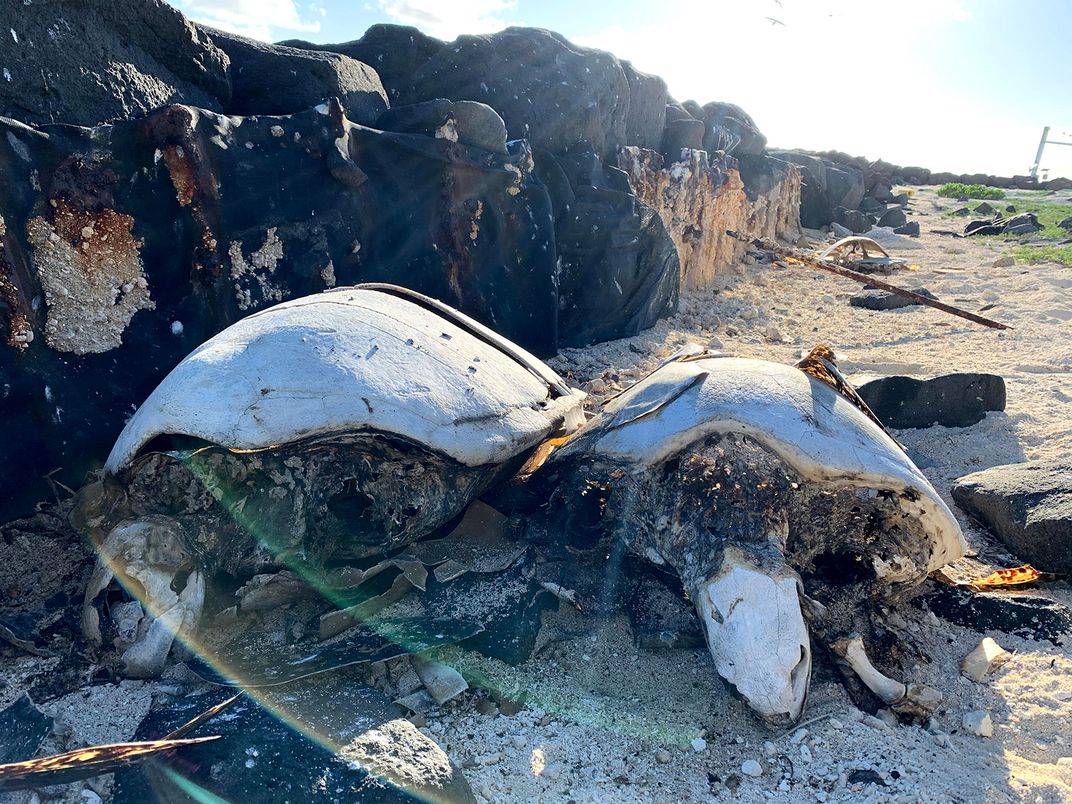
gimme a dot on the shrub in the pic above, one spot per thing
(958, 190)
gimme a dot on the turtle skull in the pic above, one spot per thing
(757, 635)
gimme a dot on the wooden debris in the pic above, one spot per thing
(84, 763)
(1014, 576)
(798, 256)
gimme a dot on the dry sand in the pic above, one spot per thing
(606, 721)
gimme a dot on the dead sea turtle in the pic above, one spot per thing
(761, 486)
(327, 428)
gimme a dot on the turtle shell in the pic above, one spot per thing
(817, 432)
(368, 358)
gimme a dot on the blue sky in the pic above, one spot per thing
(960, 85)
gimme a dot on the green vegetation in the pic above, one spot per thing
(958, 190)
(1047, 253)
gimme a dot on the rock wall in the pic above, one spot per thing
(700, 197)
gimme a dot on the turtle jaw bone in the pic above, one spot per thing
(145, 556)
(757, 635)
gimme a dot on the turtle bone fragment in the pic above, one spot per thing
(146, 556)
(913, 700)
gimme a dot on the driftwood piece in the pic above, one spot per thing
(822, 265)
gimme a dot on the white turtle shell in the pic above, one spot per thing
(806, 423)
(364, 358)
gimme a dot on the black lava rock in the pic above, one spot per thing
(395, 52)
(951, 400)
(852, 219)
(273, 79)
(325, 739)
(95, 61)
(1024, 616)
(893, 217)
(1028, 506)
(911, 229)
(475, 124)
(877, 299)
(731, 129)
(548, 90)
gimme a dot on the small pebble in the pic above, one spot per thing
(798, 736)
(888, 717)
(805, 753)
(662, 756)
(552, 771)
(519, 741)
(751, 768)
(770, 749)
(978, 723)
(493, 758)
(699, 745)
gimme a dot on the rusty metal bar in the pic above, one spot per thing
(823, 265)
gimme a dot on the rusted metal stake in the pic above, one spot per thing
(823, 265)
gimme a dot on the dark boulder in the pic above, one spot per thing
(547, 89)
(681, 134)
(1026, 616)
(620, 271)
(952, 400)
(985, 209)
(882, 191)
(815, 209)
(872, 206)
(328, 738)
(845, 185)
(467, 122)
(647, 108)
(902, 199)
(1065, 224)
(395, 52)
(852, 219)
(272, 79)
(91, 61)
(894, 217)
(148, 237)
(911, 229)
(762, 174)
(731, 129)
(876, 299)
(1026, 505)
(693, 108)
(675, 111)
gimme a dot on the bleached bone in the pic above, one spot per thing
(757, 635)
(914, 700)
(146, 555)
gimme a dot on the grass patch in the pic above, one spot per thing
(1049, 253)
(958, 190)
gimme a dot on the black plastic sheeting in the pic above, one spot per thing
(620, 271)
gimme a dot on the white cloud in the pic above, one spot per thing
(447, 19)
(257, 19)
